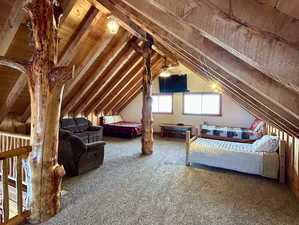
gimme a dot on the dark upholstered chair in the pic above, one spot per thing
(76, 156)
(83, 129)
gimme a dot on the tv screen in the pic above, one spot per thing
(174, 83)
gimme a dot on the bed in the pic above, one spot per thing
(265, 157)
(116, 126)
(234, 134)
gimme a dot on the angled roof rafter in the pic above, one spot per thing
(133, 73)
(131, 63)
(114, 65)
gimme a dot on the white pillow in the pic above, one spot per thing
(259, 126)
(266, 144)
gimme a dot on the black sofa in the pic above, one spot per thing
(80, 146)
(83, 129)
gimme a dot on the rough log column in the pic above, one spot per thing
(147, 117)
(46, 82)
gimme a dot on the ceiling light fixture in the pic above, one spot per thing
(164, 69)
(112, 25)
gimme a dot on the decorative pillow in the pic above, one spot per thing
(256, 125)
(112, 119)
(266, 144)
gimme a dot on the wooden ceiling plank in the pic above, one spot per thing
(249, 31)
(132, 62)
(90, 77)
(13, 95)
(134, 29)
(135, 91)
(116, 90)
(78, 36)
(265, 113)
(120, 96)
(213, 53)
(243, 90)
(67, 8)
(88, 61)
(11, 26)
(73, 45)
(131, 96)
(205, 50)
(97, 78)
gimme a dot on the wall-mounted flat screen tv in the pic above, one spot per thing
(174, 83)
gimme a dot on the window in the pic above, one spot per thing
(202, 104)
(162, 103)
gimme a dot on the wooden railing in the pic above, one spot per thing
(292, 156)
(20, 155)
(9, 141)
(14, 149)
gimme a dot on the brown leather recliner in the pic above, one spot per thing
(76, 156)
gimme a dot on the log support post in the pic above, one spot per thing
(147, 117)
(46, 81)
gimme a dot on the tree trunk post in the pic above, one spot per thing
(147, 117)
(46, 81)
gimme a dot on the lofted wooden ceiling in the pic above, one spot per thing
(106, 65)
(251, 47)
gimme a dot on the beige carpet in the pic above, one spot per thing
(159, 190)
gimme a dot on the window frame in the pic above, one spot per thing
(202, 93)
(172, 103)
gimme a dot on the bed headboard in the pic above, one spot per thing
(112, 119)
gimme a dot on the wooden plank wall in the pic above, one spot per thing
(292, 157)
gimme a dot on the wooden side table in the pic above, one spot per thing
(174, 129)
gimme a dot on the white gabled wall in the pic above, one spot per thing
(232, 114)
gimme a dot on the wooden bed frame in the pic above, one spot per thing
(281, 153)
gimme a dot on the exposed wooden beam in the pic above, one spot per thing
(25, 115)
(67, 7)
(120, 97)
(13, 95)
(11, 26)
(133, 92)
(133, 28)
(72, 47)
(252, 105)
(131, 63)
(102, 74)
(115, 94)
(90, 59)
(165, 30)
(136, 90)
(115, 90)
(278, 57)
(106, 60)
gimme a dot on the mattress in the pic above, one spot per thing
(123, 129)
(234, 156)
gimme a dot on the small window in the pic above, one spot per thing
(202, 104)
(162, 103)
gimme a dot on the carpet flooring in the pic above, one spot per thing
(159, 190)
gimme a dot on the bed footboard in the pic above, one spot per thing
(189, 140)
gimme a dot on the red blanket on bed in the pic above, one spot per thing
(123, 129)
